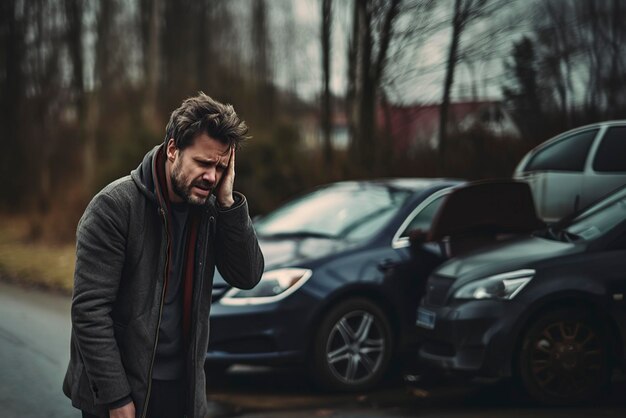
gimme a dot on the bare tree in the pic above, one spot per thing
(178, 49)
(12, 47)
(43, 80)
(260, 40)
(150, 14)
(326, 32)
(104, 75)
(465, 12)
(605, 20)
(617, 72)
(262, 68)
(74, 15)
(373, 29)
(558, 37)
(569, 70)
(524, 93)
(579, 48)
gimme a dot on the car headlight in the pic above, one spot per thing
(501, 286)
(275, 285)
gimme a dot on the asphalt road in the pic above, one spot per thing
(270, 393)
(34, 350)
(34, 346)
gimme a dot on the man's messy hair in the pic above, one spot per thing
(202, 114)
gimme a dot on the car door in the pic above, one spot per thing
(555, 174)
(608, 167)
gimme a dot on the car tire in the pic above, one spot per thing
(564, 358)
(352, 347)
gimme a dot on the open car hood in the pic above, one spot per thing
(483, 213)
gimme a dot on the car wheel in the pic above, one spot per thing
(564, 358)
(352, 346)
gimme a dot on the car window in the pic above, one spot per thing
(611, 154)
(424, 218)
(347, 211)
(568, 154)
(368, 226)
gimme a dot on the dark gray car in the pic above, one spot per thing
(548, 309)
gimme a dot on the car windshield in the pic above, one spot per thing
(352, 211)
(598, 219)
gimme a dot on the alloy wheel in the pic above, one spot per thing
(565, 357)
(356, 347)
(352, 347)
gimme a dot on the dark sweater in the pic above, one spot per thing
(169, 362)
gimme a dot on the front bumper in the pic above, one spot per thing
(477, 337)
(268, 334)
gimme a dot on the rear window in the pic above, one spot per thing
(611, 155)
(568, 154)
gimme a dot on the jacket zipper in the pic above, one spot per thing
(195, 335)
(156, 338)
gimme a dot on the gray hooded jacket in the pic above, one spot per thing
(121, 264)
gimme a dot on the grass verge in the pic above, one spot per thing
(33, 263)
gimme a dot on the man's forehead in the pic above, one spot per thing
(213, 155)
(209, 150)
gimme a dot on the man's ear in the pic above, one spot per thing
(171, 150)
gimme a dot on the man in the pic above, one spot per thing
(146, 249)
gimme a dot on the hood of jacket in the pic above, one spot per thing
(145, 175)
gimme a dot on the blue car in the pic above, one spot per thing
(325, 300)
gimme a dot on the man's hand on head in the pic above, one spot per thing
(126, 411)
(224, 192)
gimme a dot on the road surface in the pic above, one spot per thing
(34, 351)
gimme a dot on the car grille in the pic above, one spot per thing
(437, 289)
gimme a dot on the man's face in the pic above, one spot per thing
(196, 170)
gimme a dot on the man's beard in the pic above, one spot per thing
(183, 190)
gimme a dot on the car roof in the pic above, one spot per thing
(604, 123)
(609, 123)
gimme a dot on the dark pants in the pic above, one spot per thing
(167, 400)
